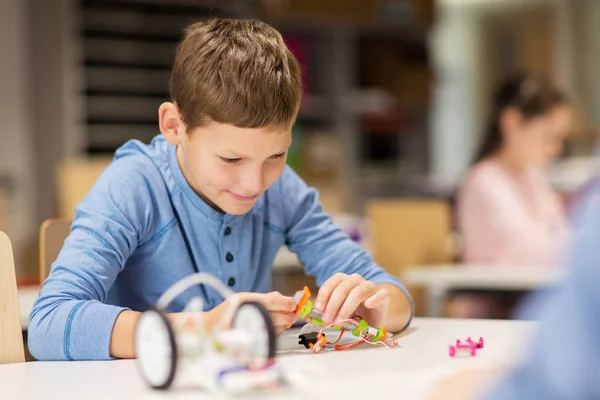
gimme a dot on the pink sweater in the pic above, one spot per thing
(509, 219)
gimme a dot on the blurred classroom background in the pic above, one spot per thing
(395, 100)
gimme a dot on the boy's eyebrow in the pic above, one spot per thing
(231, 153)
(234, 154)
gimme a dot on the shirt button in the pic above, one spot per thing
(229, 257)
(227, 231)
(231, 282)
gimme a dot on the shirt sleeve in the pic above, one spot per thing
(70, 320)
(566, 352)
(320, 245)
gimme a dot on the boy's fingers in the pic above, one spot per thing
(379, 297)
(326, 290)
(243, 297)
(359, 294)
(279, 330)
(338, 297)
(273, 301)
(285, 319)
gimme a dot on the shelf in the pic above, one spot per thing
(125, 93)
(123, 65)
(131, 36)
(316, 107)
(210, 9)
(121, 121)
(404, 32)
(98, 150)
(389, 123)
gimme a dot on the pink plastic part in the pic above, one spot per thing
(478, 344)
(468, 346)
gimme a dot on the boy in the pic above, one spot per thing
(211, 194)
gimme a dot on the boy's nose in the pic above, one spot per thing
(252, 182)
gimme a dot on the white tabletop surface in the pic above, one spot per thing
(481, 277)
(407, 372)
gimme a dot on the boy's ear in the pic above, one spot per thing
(169, 122)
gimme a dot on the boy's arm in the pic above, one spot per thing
(400, 309)
(280, 308)
(326, 251)
(70, 319)
(122, 341)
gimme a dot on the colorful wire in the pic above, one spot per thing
(355, 319)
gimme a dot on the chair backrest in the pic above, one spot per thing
(53, 233)
(2, 210)
(75, 178)
(410, 233)
(11, 336)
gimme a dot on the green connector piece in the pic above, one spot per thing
(319, 321)
(306, 309)
(361, 328)
(378, 336)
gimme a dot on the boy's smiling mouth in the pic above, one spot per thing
(242, 198)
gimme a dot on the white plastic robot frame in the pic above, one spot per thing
(181, 350)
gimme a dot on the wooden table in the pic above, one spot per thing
(439, 280)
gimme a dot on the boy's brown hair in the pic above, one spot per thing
(237, 72)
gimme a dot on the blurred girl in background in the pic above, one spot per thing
(507, 213)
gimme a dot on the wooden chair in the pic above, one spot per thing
(410, 233)
(53, 233)
(75, 178)
(11, 336)
(2, 211)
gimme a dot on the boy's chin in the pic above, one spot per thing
(236, 209)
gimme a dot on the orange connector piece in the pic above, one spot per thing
(300, 298)
(321, 342)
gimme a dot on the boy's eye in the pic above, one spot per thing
(276, 156)
(230, 160)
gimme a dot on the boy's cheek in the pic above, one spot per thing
(274, 176)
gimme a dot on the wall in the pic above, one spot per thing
(16, 139)
(38, 109)
(56, 102)
(456, 111)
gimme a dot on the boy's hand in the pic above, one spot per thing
(342, 296)
(280, 308)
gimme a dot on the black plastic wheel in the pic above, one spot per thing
(156, 349)
(254, 317)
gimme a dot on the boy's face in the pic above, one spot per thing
(231, 167)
